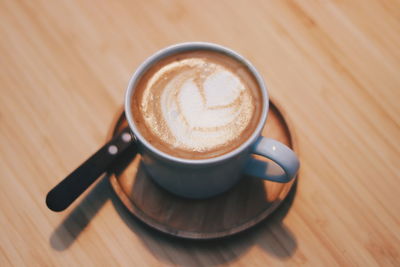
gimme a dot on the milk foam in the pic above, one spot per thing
(202, 105)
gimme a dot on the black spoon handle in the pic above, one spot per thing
(69, 189)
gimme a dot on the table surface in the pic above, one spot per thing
(333, 66)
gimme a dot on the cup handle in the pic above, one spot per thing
(278, 153)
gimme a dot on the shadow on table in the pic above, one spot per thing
(271, 234)
(76, 222)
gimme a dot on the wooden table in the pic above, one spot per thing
(333, 65)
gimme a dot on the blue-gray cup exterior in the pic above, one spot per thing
(204, 178)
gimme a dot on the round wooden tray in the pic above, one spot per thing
(238, 209)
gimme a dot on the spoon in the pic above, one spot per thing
(62, 195)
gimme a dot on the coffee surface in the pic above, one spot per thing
(197, 105)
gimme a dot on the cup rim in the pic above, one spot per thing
(190, 46)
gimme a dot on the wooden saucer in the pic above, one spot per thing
(242, 207)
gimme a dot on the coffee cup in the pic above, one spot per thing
(196, 111)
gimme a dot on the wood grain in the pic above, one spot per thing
(334, 65)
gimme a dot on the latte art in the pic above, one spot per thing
(202, 105)
(196, 105)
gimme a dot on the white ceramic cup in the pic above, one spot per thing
(204, 178)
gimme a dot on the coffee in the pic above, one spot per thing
(197, 104)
